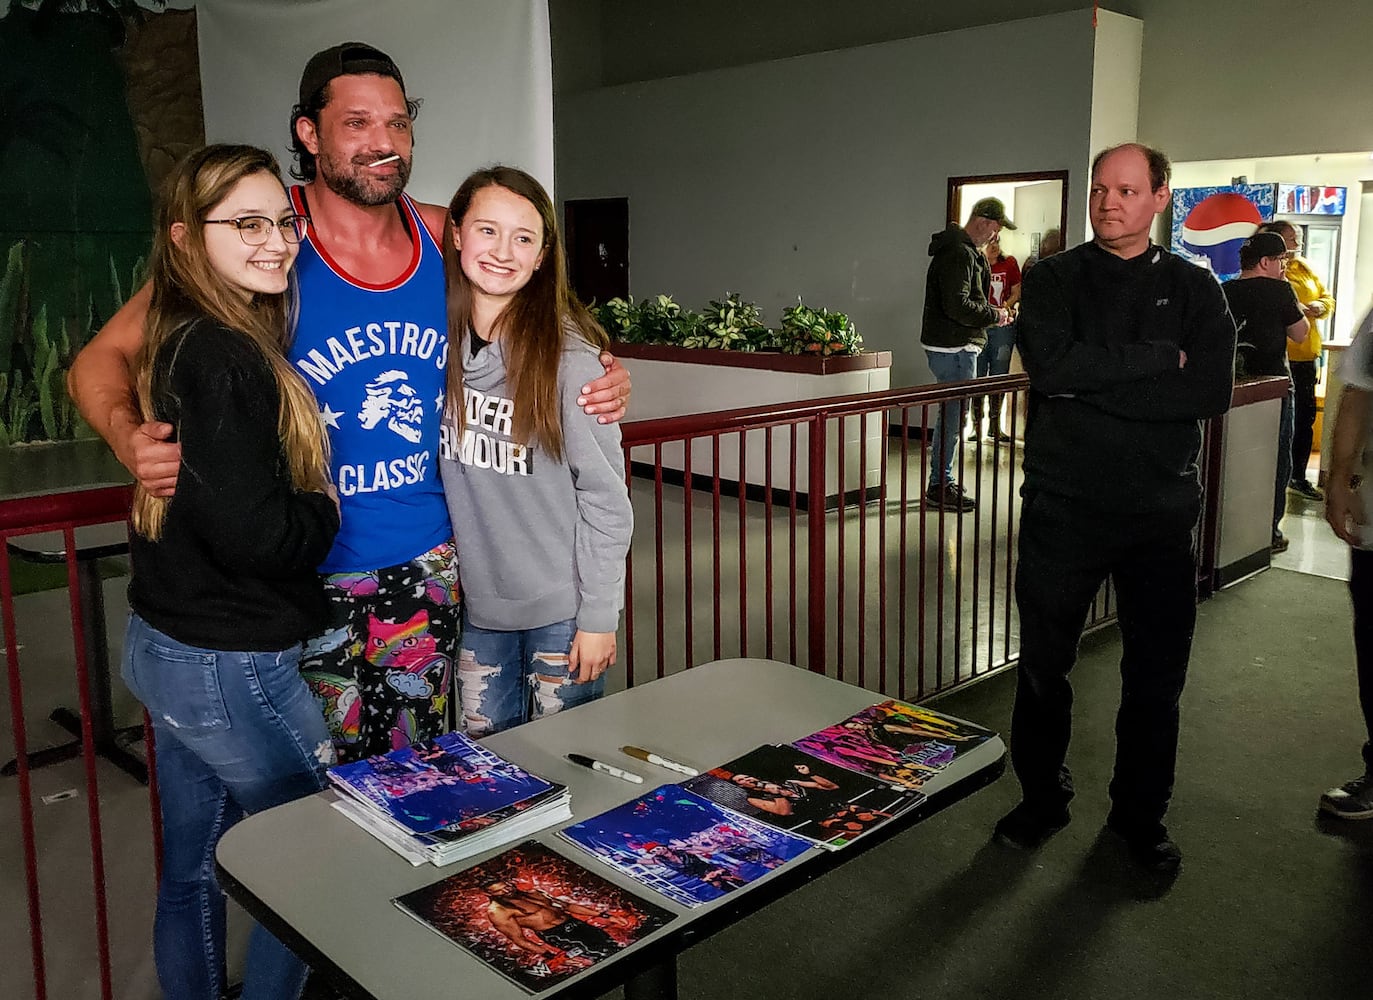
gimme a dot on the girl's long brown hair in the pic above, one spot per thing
(531, 327)
(185, 286)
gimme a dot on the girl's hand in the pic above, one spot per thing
(591, 653)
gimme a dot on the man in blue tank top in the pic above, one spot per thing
(371, 341)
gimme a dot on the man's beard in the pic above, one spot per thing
(348, 179)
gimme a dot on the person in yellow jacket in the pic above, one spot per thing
(1317, 304)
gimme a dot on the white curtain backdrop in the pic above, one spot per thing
(482, 67)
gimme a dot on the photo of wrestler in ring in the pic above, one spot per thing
(534, 916)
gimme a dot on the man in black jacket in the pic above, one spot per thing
(1128, 348)
(957, 315)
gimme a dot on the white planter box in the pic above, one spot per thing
(705, 381)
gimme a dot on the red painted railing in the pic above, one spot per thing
(61, 512)
(800, 532)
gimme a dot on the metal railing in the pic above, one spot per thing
(60, 512)
(801, 532)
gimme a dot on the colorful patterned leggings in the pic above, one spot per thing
(383, 670)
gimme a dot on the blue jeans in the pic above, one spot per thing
(1287, 424)
(235, 733)
(958, 366)
(508, 678)
(994, 359)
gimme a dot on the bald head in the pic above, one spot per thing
(1129, 188)
(1160, 170)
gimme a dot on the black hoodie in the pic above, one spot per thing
(957, 307)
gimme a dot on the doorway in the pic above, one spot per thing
(1036, 201)
(598, 248)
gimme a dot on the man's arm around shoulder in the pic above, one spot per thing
(100, 382)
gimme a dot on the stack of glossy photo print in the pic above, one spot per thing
(446, 799)
(534, 916)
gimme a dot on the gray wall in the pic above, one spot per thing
(824, 175)
(650, 39)
(1239, 78)
(1207, 83)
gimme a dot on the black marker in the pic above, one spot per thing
(596, 765)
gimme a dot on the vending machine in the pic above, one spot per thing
(1317, 214)
(1210, 223)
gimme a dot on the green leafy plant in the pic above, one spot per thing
(658, 320)
(619, 318)
(35, 353)
(663, 321)
(732, 325)
(20, 405)
(817, 331)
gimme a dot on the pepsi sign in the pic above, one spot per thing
(1209, 224)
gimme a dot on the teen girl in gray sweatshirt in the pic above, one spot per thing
(535, 487)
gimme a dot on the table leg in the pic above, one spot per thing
(658, 982)
(110, 742)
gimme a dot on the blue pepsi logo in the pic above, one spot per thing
(1217, 226)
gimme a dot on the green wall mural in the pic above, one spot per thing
(75, 226)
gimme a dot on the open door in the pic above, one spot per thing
(597, 232)
(1036, 201)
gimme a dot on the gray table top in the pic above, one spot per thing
(93, 541)
(332, 883)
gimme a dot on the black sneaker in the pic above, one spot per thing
(1280, 542)
(1150, 846)
(1028, 828)
(973, 434)
(1352, 800)
(950, 496)
(1304, 488)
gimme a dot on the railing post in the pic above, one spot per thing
(817, 608)
(21, 750)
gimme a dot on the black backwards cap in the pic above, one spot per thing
(1265, 245)
(346, 59)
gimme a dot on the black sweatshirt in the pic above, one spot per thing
(1114, 422)
(958, 309)
(235, 566)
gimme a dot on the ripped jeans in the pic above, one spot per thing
(235, 733)
(507, 678)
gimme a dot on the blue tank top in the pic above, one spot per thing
(375, 357)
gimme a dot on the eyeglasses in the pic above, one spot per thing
(255, 230)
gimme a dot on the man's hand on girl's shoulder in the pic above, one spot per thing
(607, 398)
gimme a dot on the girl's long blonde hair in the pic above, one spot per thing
(185, 286)
(531, 327)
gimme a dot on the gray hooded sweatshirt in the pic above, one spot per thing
(539, 541)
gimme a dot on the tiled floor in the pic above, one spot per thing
(1314, 549)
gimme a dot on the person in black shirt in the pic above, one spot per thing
(1127, 348)
(1267, 316)
(224, 586)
